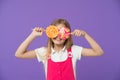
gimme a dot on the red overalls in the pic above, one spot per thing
(61, 70)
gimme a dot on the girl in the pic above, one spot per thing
(60, 55)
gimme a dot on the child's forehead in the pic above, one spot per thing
(59, 26)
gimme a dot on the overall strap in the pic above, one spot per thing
(69, 52)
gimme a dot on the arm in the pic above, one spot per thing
(95, 49)
(22, 51)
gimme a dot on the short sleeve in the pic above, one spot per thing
(40, 53)
(77, 51)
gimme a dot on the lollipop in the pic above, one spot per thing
(52, 31)
(64, 33)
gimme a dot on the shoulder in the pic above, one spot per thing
(40, 50)
(76, 50)
(40, 53)
(76, 47)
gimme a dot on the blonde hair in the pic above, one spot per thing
(68, 43)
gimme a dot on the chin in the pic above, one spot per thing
(58, 43)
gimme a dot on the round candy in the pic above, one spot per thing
(52, 31)
(64, 33)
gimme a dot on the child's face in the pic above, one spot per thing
(57, 40)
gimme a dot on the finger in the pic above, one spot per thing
(41, 29)
(34, 29)
(79, 33)
(38, 29)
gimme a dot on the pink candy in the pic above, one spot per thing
(64, 33)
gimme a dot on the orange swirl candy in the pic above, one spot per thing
(52, 31)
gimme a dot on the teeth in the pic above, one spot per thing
(58, 39)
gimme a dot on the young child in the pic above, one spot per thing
(60, 55)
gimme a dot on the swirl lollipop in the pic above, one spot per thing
(64, 33)
(52, 31)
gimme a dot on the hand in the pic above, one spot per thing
(38, 31)
(78, 32)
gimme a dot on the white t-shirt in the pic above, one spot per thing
(60, 56)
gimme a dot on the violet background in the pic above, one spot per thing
(99, 18)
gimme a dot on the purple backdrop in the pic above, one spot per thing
(99, 18)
